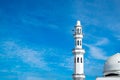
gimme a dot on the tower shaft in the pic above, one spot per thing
(78, 53)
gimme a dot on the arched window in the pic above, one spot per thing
(74, 60)
(78, 60)
(80, 30)
(81, 60)
(77, 31)
(78, 43)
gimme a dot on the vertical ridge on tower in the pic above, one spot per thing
(78, 52)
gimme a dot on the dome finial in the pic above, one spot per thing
(78, 23)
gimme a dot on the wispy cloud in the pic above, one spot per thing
(95, 50)
(91, 69)
(118, 37)
(114, 26)
(27, 55)
(68, 63)
(102, 41)
(30, 76)
(36, 22)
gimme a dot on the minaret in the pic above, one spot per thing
(78, 53)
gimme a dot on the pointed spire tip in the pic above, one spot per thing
(78, 23)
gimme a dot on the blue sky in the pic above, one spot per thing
(36, 39)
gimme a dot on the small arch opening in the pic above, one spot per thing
(78, 43)
(81, 60)
(77, 31)
(78, 60)
(74, 60)
(80, 30)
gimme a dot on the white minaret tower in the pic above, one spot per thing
(78, 53)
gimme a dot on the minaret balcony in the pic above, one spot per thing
(78, 35)
(78, 51)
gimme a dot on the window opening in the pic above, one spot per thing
(78, 43)
(77, 31)
(78, 60)
(81, 60)
(74, 60)
(80, 31)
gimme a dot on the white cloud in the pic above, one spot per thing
(91, 69)
(32, 58)
(30, 76)
(27, 55)
(68, 63)
(102, 41)
(97, 52)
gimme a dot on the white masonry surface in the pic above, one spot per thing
(111, 68)
(78, 53)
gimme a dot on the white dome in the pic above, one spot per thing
(112, 65)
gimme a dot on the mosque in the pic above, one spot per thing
(111, 66)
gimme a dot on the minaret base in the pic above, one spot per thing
(78, 77)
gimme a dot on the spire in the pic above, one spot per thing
(78, 23)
